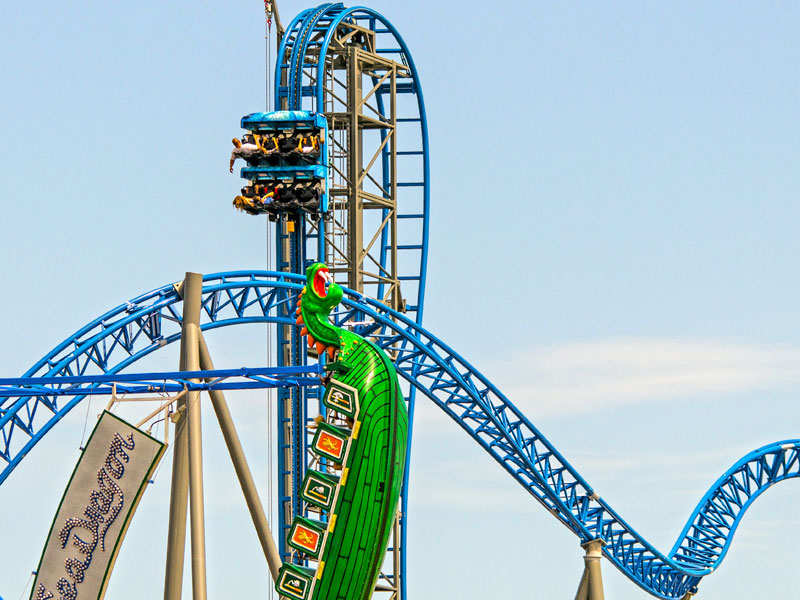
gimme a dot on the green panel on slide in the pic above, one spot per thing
(295, 582)
(331, 442)
(319, 489)
(342, 398)
(307, 536)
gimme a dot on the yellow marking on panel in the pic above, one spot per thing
(305, 537)
(356, 429)
(344, 476)
(321, 569)
(333, 523)
(330, 445)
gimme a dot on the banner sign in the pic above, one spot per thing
(95, 512)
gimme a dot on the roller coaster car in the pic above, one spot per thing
(282, 120)
(289, 133)
(300, 187)
(299, 196)
(307, 147)
(255, 199)
(290, 147)
(275, 197)
(293, 163)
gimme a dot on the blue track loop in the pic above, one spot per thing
(299, 78)
(151, 321)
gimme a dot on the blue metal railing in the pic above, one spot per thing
(244, 378)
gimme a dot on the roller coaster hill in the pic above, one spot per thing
(335, 170)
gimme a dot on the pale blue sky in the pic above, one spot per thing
(615, 209)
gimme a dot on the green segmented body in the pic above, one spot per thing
(367, 503)
(357, 528)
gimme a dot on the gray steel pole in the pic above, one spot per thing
(178, 501)
(592, 558)
(583, 586)
(242, 469)
(192, 299)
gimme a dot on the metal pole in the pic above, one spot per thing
(286, 345)
(266, 58)
(583, 586)
(396, 298)
(355, 205)
(278, 24)
(592, 558)
(192, 299)
(178, 501)
(242, 469)
(396, 546)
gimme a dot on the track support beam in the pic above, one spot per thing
(234, 445)
(192, 299)
(187, 466)
(178, 499)
(591, 585)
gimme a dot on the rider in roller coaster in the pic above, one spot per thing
(248, 150)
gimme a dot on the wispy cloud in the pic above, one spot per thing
(597, 375)
(455, 482)
(589, 376)
(652, 465)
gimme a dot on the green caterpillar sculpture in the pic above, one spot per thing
(364, 437)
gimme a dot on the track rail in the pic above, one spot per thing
(151, 321)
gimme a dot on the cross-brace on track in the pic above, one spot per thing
(161, 382)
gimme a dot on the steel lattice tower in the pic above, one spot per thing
(352, 66)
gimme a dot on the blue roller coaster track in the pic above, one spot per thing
(151, 321)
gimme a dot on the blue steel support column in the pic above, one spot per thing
(304, 49)
(291, 256)
(290, 252)
(293, 84)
